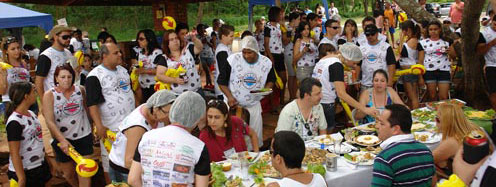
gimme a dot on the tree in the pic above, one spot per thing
(475, 89)
(414, 10)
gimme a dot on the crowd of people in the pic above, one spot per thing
(168, 129)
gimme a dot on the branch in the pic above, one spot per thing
(414, 10)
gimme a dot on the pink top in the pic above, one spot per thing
(456, 14)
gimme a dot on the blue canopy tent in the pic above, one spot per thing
(12, 17)
(252, 3)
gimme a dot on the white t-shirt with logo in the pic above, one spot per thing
(192, 77)
(147, 80)
(70, 115)
(275, 34)
(489, 35)
(135, 118)
(246, 77)
(362, 39)
(31, 144)
(57, 58)
(374, 58)
(119, 98)
(310, 57)
(436, 54)
(321, 73)
(15, 74)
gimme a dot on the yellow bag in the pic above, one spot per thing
(135, 76)
(79, 57)
(170, 73)
(278, 81)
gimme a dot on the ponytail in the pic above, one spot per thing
(17, 94)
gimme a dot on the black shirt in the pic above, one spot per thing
(94, 96)
(43, 66)
(14, 131)
(336, 72)
(201, 168)
(390, 58)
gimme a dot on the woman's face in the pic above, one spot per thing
(31, 97)
(173, 41)
(14, 50)
(379, 81)
(215, 118)
(434, 31)
(142, 40)
(64, 79)
(350, 27)
(306, 31)
(161, 114)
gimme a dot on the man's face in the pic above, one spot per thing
(384, 129)
(182, 33)
(115, 56)
(63, 38)
(372, 38)
(315, 96)
(249, 55)
(334, 29)
(314, 22)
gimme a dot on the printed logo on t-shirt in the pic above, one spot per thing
(440, 51)
(249, 80)
(72, 108)
(124, 85)
(372, 57)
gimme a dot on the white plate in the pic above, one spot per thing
(251, 154)
(321, 139)
(365, 127)
(344, 149)
(376, 139)
(433, 138)
(363, 162)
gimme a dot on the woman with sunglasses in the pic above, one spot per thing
(433, 54)
(27, 163)
(153, 114)
(12, 55)
(350, 32)
(454, 126)
(224, 134)
(64, 109)
(305, 52)
(146, 52)
(378, 96)
(176, 54)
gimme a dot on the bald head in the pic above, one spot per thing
(111, 55)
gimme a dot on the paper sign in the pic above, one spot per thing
(62, 21)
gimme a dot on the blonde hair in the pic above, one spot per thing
(453, 122)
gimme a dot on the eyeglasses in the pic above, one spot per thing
(336, 28)
(66, 37)
(369, 35)
(163, 111)
(307, 126)
(141, 39)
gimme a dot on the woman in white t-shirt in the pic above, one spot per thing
(306, 52)
(288, 150)
(64, 109)
(176, 54)
(18, 73)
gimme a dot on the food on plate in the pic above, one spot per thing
(480, 115)
(324, 139)
(367, 140)
(359, 157)
(316, 168)
(435, 105)
(261, 90)
(368, 128)
(236, 182)
(266, 157)
(417, 126)
(226, 166)
(314, 156)
(424, 114)
(350, 134)
(218, 177)
(262, 169)
(373, 150)
(421, 137)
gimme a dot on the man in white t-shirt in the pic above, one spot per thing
(247, 71)
(109, 97)
(333, 10)
(76, 43)
(304, 115)
(362, 39)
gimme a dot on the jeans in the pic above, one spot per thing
(329, 112)
(117, 176)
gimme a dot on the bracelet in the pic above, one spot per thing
(453, 181)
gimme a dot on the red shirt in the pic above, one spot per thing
(217, 145)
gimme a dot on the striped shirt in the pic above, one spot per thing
(403, 162)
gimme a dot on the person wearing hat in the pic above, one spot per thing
(171, 156)
(52, 57)
(330, 72)
(150, 115)
(247, 71)
(376, 55)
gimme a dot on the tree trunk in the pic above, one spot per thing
(366, 7)
(200, 13)
(475, 89)
(414, 10)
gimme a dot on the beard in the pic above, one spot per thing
(61, 43)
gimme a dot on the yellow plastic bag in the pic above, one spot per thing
(417, 69)
(278, 81)
(170, 73)
(79, 55)
(135, 76)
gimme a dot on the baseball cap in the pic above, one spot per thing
(371, 30)
(57, 30)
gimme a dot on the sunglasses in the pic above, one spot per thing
(141, 39)
(214, 103)
(307, 126)
(8, 41)
(336, 28)
(369, 35)
(66, 37)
